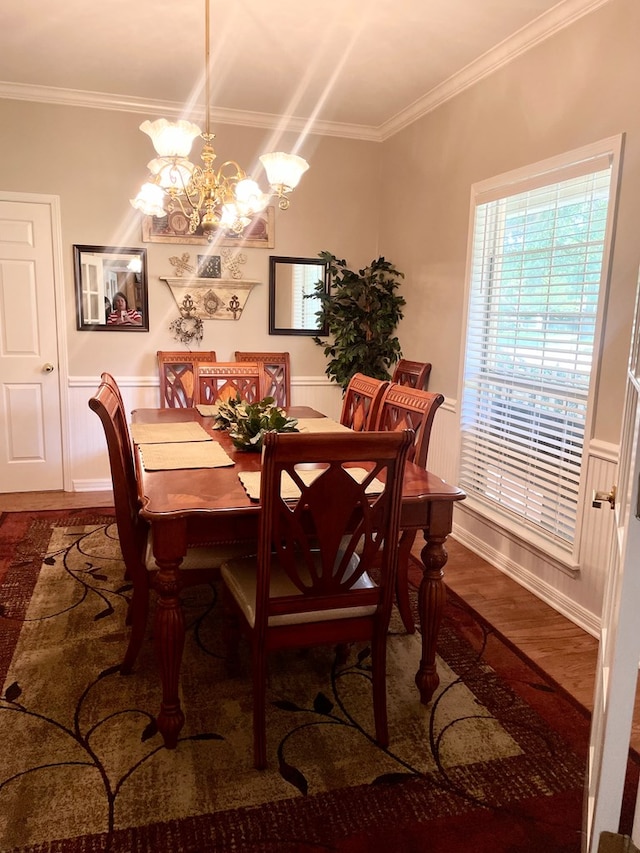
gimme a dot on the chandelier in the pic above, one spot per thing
(209, 197)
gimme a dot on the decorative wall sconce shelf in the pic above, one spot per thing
(210, 299)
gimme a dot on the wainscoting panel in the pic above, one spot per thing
(319, 393)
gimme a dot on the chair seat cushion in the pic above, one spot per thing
(204, 557)
(240, 577)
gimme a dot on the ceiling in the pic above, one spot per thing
(361, 68)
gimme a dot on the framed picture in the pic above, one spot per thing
(111, 289)
(174, 228)
(209, 266)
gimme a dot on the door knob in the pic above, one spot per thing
(599, 497)
(48, 367)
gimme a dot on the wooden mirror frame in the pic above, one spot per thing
(113, 274)
(279, 279)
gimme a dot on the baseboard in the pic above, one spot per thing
(102, 485)
(547, 593)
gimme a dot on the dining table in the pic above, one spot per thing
(208, 505)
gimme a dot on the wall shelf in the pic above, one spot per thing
(210, 298)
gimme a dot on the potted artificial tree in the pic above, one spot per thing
(361, 311)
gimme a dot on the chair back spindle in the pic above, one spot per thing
(178, 387)
(223, 380)
(277, 373)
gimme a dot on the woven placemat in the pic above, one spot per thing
(169, 433)
(290, 491)
(320, 425)
(192, 454)
(208, 410)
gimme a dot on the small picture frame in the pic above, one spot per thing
(209, 266)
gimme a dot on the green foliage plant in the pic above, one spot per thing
(361, 311)
(248, 422)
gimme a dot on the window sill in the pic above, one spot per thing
(562, 559)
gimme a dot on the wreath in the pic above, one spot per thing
(187, 329)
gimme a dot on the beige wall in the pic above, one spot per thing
(95, 161)
(576, 87)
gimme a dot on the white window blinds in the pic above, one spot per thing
(535, 277)
(304, 305)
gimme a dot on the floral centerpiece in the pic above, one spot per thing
(248, 422)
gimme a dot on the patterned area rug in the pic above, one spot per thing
(495, 763)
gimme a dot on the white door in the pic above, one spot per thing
(30, 408)
(619, 651)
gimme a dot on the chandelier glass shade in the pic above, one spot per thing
(210, 198)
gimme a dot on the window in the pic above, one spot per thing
(537, 275)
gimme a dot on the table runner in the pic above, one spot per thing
(194, 454)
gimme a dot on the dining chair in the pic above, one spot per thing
(277, 373)
(403, 407)
(222, 380)
(307, 585)
(362, 402)
(200, 565)
(412, 373)
(178, 377)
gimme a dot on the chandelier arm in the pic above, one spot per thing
(240, 173)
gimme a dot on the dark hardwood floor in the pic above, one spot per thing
(557, 645)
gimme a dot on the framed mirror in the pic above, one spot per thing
(111, 289)
(291, 311)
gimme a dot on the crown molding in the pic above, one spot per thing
(560, 16)
(171, 109)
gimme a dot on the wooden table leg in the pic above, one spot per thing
(431, 595)
(407, 538)
(169, 625)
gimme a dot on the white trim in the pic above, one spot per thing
(123, 381)
(549, 594)
(102, 485)
(542, 547)
(171, 109)
(154, 381)
(604, 450)
(318, 381)
(560, 16)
